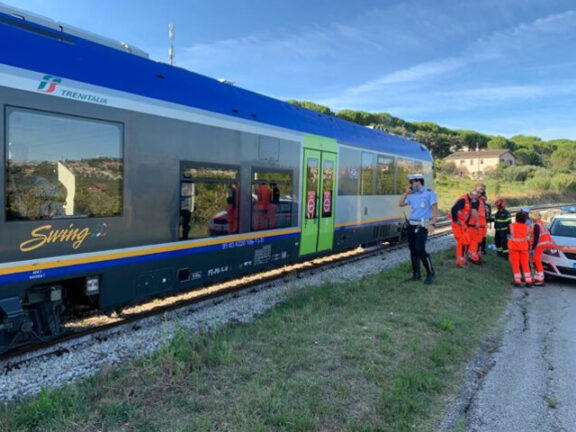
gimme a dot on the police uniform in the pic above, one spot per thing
(420, 202)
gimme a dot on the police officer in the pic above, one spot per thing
(422, 221)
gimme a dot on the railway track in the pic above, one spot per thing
(132, 315)
(100, 329)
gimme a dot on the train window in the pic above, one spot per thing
(272, 203)
(418, 167)
(312, 170)
(61, 166)
(327, 186)
(349, 171)
(368, 174)
(209, 202)
(385, 176)
(404, 167)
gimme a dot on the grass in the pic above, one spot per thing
(378, 354)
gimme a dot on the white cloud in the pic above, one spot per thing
(494, 47)
(415, 73)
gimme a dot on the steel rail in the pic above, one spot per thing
(214, 293)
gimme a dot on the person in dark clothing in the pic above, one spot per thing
(502, 221)
(273, 206)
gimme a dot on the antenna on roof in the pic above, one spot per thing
(171, 50)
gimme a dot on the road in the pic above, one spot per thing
(531, 384)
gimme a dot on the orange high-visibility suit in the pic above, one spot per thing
(475, 232)
(541, 240)
(518, 250)
(483, 219)
(263, 195)
(460, 214)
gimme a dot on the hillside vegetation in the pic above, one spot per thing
(558, 154)
(544, 173)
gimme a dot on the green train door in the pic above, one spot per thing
(318, 195)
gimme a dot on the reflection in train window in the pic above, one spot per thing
(368, 173)
(385, 176)
(327, 186)
(209, 202)
(272, 199)
(60, 166)
(311, 198)
(404, 168)
(349, 171)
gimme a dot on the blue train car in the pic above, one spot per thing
(124, 178)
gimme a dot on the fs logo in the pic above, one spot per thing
(49, 83)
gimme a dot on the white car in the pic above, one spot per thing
(561, 261)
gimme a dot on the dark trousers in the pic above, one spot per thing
(417, 236)
(501, 241)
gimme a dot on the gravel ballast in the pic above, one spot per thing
(85, 357)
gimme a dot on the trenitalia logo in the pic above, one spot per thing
(49, 83)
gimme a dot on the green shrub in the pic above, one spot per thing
(563, 183)
(518, 173)
(539, 183)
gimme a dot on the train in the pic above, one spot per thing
(125, 179)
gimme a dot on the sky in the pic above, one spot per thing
(500, 67)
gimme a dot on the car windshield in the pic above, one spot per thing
(563, 228)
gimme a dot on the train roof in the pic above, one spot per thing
(48, 47)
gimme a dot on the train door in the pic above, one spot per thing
(318, 195)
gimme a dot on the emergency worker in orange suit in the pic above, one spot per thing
(263, 195)
(541, 240)
(477, 229)
(232, 206)
(460, 214)
(485, 215)
(518, 250)
(273, 206)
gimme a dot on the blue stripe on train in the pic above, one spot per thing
(100, 265)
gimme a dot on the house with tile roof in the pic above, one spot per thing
(475, 163)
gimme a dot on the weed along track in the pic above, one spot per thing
(140, 330)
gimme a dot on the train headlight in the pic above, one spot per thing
(552, 252)
(92, 285)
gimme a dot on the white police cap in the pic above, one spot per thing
(525, 209)
(415, 177)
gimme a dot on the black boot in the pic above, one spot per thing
(429, 269)
(415, 269)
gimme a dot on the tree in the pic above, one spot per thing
(360, 117)
(499, 142)
(473, 139)
(526, 141)
(563, 159)
(312, 106)
(527, 157)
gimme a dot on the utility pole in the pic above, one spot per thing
(171, 50)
